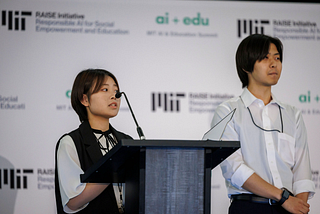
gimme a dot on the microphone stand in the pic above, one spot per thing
(139, 130)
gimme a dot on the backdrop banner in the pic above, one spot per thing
(174, 59)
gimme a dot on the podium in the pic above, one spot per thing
(162, 176)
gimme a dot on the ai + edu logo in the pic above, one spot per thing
(14, 178)
(308, 98)
(247, 27)
(15, 20)
(68, 93)
(198, 20)
(169, 102)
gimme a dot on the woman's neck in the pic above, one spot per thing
(102, 125)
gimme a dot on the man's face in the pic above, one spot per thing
(266, 72)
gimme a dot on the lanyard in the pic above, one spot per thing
(266, 129)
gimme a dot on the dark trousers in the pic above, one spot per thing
(247, 207)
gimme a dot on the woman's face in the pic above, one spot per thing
(103, 104)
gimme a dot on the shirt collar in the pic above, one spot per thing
(96, 131)
(248, 98)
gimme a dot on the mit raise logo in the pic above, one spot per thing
(248, 27)
(14, 178)
(15, 20)
(169, 102)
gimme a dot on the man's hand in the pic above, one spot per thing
(296, 205)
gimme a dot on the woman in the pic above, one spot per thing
(93, 99)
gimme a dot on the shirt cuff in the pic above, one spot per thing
(68, 210)
(304, 186)
(241, 175)
(79, 189)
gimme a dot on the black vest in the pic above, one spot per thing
(89, 153)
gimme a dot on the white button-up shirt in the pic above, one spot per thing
(280, 158)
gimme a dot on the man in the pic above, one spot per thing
(271, 171)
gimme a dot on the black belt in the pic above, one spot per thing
(253, 198)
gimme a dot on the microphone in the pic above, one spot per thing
(139, 130)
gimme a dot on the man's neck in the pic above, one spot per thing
(262, 93)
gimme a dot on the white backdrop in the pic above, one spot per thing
(182, 49)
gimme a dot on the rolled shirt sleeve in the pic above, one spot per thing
(301, 170)
(234, 169)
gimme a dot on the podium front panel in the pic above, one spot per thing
(162, 176)
(174, 180)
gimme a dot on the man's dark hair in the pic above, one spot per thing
(254, 48)
(87, 82)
